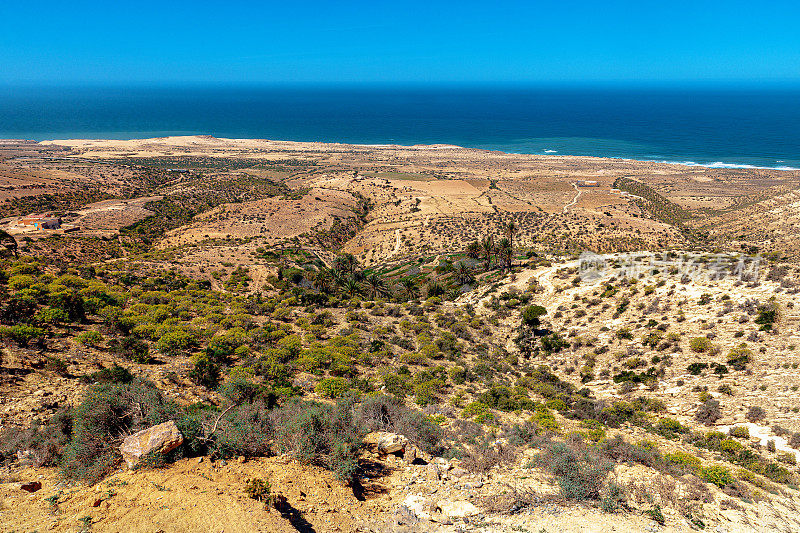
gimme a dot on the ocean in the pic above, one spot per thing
(704, 126)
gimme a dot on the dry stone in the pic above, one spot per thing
(162, 438)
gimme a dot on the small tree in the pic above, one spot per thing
(531, 315)
(9, 242)
(474, 250)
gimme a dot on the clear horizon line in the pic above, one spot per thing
(721, 83)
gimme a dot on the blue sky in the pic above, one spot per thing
(78, 41)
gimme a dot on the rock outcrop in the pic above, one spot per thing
(162, 438)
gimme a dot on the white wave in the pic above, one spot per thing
(550, 151)
(720, 164)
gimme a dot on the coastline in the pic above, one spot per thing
(207, 141)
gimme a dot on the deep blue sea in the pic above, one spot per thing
(718, 127)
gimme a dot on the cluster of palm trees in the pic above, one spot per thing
(346, 277)
(488, 249)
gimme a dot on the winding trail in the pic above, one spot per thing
(574, 200)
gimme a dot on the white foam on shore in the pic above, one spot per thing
(720, 164)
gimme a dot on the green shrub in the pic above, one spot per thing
(708, 412)
(259, 490)
(113, 374)
(739, 357)
(686, 461)
(239, 387)
(767, 314)
(656, 514)
(700, 344)
(669, 428)
(332, 387)
(205, 372)
(718, 475)
(321, 434)
(580, 472)
(696, 369)
(22, 334)
(531, 315)
(397, 385)
(176, 341)
(474, 409)
(426, 392)
(48, 315)
(131, 348)
(387, 413)
(624, 333)
(505, 399)
(544, 419)
(108, 412)
(458, 375)
(739, 432)
(244, 430)
(89, 338)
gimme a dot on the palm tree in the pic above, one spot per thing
(410, 287)
(511, 229)
(487, 246)
(463, 274)
(435, 289)
(505, 252)
(324, 280)
(376, 286)
(352, 287)
(346, 263)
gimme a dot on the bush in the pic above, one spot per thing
(387, 413)
(397, 385)
(755, 414)
(458, 375)
(245, 430)
(700, 344)
(239, 387)
(114, 374)
(624, 333)
(108, 412)
(767, 314)
(708, 412)
(332, 387)
(89, 338)
(484, 455)
(686, 461)
(739, 357)
(22, 334)
(613, 498)
(131, 348)
(531, 315)
(321, 434)
(696, 369)
(580, 472)
(479, 412)
(176, 341)
(739, 432)
(259, 490)
(718, 475)
(425, 393)
(205, 372)
(48, 315)
(669, 428)
(656, 514)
